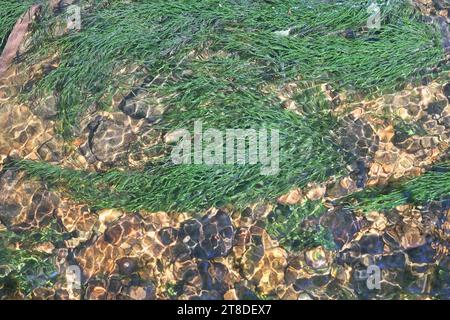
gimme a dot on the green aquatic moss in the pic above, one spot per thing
(306, 154)
(284, 224)
(316, 40)
(10, 11)
(23, 269)
(433, 185)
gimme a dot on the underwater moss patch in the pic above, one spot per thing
(225, 90)
(24, 269)
(433, 185)
(306, 154)
(316, 40)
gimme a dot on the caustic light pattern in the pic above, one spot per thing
(351, 99)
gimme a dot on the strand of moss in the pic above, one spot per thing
(433, 185)
(327, 41)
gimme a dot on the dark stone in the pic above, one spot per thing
(399, 137)
(208, 238)
(423, 254)
(167, 235)
(371, 244)
(245, 293)
(127, 266)
(392, 261)
(342, 225)
(436, 108)
(213, 276)
(189, 275)
(114, 285)
(361, 174)
(390, 241)
(447, 91)
(303, 284)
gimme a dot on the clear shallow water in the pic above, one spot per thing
(313, 242)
